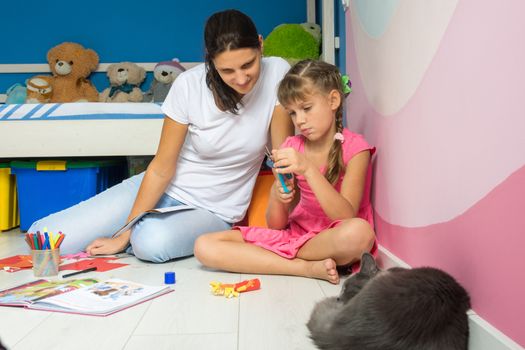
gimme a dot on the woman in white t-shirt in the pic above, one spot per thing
(218, 118)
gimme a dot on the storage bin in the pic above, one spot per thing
(45, 187)
(8, 200)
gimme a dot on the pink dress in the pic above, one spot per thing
(308, 218)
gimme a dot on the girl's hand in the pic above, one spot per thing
(280, 193)
(288, 160)
(102, 246)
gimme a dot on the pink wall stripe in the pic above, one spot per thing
(480, 249)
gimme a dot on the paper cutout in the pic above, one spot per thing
(102, 264)
(16, 263)
(20, 262)
(81, 255)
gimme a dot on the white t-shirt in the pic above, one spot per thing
(222, 154)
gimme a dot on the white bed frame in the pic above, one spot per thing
(64, 138)
(71, 138)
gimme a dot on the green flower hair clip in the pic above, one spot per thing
(347, 84)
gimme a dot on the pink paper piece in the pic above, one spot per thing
(80, 255)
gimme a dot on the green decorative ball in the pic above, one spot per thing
(291, 42)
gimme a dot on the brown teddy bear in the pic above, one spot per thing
(71, 65)
(125, 79)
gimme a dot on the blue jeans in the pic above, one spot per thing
(156, 238)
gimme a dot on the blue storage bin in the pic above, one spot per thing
(45, 187)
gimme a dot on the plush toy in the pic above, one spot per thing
(294, 42)
(39, 89)
(125, 79)
(164, 74)
(71, 65)
(16, 94)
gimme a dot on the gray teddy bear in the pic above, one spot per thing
(164, 74)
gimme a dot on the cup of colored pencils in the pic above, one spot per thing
(45, 252)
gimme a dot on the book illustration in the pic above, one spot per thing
(152, 211)
(40, 289)
(115, 290)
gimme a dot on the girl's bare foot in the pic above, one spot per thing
(325, 270)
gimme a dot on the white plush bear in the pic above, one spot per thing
(125, 79)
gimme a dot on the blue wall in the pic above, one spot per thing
(123, 31)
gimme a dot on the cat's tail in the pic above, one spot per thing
(323, 340)
(321, 321)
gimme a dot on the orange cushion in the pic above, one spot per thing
(259, 203)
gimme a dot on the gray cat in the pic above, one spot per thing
(397, 309)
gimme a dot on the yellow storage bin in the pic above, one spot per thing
(9, 217)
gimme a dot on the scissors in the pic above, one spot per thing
(281, 177)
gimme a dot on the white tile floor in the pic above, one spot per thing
(272, 318)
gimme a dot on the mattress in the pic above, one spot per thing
(79, 111)
(79, 129)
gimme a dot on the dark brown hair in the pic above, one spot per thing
(224, 31)
(306, 78)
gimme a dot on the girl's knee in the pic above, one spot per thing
(355, 235)
(207, 247)
(202, 248)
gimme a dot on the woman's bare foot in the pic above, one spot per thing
(325, 270)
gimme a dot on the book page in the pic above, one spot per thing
(102, 298)
(40, 289)
(152, 211)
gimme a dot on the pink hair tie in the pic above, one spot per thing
(339, 136)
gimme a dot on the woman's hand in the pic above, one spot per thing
(101, 246)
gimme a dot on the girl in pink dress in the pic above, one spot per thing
(323, 218)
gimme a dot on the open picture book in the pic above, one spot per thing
(81, 296)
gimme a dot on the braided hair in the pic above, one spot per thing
(224, 31)
(302, 80)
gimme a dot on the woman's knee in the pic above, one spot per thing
(155, 244)
(147, 249)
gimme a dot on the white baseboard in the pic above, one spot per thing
(483, 336)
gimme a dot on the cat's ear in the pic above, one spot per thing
(368, 264)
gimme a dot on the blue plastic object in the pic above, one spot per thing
(16, 94)
(169, 277)
(41, 193)
(281, 177)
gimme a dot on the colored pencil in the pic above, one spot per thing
(79, 272)
(59, 240)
